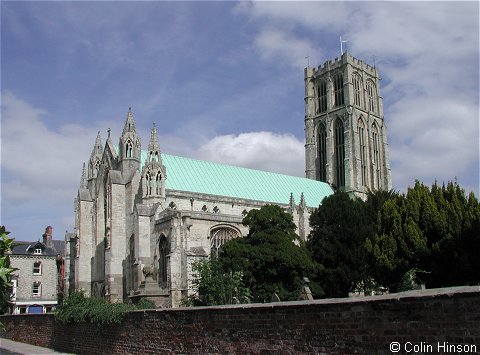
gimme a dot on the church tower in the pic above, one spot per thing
(153, 172)
(345, 133)
(130, 146)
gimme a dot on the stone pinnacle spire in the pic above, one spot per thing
(129, 123)
(97, 149)
(83, 180)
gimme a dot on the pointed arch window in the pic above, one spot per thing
(372, 96)
(220, 236)
(338, 90)
(158, 183)
(357, 90)
(148, 183)
(322, 152)
(339, 153)
(132, 262)
(376, 154)
(322, 96)
(129, 149)
(363, 151)
(164, 250)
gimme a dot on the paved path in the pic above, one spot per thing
(9, 347)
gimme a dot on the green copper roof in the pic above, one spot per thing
(205, 177)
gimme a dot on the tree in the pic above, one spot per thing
(214, 286)
(6, 245)
(340, 227)
(271, 257)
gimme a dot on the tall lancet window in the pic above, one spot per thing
(372, 96)
(339, 153)
(322, 153)
(376, 154)
(162, 262)
(363, 151)
(148, 183)
(338, 90)
(129, 149)
(357, 90)
(322, 96)
(158, 183)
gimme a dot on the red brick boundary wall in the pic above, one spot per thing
(427, 321)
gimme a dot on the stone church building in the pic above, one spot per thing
(143, 217)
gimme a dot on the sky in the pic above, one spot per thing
(222, 81)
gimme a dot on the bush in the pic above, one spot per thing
(77, 308)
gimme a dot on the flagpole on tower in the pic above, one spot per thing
(341, 45)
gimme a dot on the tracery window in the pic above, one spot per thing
(220, 236)
(164, 250)
(338, 90)
(357, 90)
(322, 96)
(322, 152)
(363, 151)
(339, 153)
(372, 96)
(376, 153)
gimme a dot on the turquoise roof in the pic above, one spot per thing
(205, 177)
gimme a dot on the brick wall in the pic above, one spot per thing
(416, 320)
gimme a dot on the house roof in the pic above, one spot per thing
(28, 248)
(186, 174)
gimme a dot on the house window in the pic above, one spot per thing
(357, 90)
(220, 236)
(37, 289)
(37, 251)
(363, 152)
(339, 153)
(322, 153)
(322, 96)
(338, 90)
(37, 268)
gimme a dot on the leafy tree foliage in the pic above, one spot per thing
(340, 227)
(271, 257)
(214, 286)
(435, 230)
(6, 245)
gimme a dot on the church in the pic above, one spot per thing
(143, 217)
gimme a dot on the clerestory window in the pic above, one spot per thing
(220, 236)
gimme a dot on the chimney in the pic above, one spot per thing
(47, 237)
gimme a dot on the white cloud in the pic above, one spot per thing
(282, 153)
(275, 44)
(41, 167)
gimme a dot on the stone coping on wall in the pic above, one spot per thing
(426, 293)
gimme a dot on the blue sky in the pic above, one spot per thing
(223, 81)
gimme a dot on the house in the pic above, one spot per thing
(38, 280)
